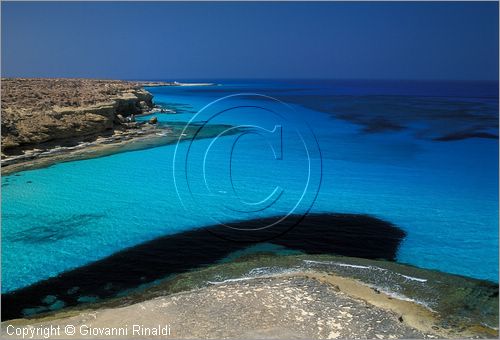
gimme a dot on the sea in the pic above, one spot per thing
(420, 155)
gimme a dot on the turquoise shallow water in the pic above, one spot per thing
(382, 153)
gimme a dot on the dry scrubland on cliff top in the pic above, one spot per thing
(36, 111)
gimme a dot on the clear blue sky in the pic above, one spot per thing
(406, 40)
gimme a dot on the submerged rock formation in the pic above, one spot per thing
(38, 111)
(344, 234)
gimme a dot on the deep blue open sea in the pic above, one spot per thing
(421, 155)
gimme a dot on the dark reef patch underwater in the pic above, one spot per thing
(342, 234)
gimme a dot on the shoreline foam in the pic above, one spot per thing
(399, 317)
(129, 140)
(46, 121)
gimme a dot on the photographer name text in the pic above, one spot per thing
(49, 331)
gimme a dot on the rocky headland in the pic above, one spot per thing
(37, 111)
(45, 121)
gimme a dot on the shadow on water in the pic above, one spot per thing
(342, 234)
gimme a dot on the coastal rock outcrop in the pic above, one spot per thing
(38, 111)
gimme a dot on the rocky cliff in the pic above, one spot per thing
(36, 112)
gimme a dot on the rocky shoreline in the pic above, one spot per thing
(298, 306)
(45, 121)
(297, 296)
(145, 136)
